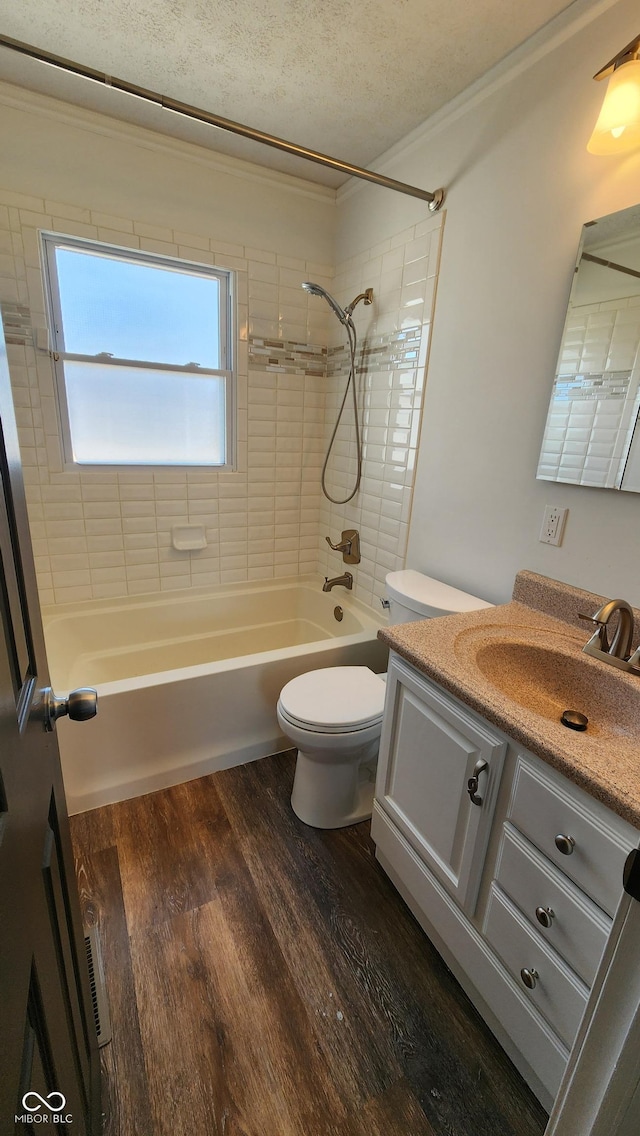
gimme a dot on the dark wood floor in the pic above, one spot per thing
(265, 978)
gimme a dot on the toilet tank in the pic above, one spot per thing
(413, 596)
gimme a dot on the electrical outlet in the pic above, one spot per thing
(553, 524)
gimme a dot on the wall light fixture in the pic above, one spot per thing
(618, 126)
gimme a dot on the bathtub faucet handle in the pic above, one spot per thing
(349, 546)
(80, 705)
(343, 546)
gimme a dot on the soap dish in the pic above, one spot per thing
(188, 537)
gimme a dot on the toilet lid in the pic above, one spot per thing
(340, 697)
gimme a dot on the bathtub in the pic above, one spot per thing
(188, 681)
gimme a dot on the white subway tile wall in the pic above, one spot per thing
(596, 394)
(104, 534)
(393, 342)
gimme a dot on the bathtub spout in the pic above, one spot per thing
(345, 581)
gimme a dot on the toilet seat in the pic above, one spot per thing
(373, 727)
(334, 700)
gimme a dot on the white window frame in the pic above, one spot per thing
(49, 242)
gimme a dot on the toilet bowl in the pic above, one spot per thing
(334, 716)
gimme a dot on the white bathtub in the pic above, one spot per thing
(188, 681)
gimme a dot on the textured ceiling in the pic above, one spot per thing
(347, 79)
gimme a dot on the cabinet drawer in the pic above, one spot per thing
(559, 995)
(543, 808)
(579, 929)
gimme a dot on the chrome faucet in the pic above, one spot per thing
(345, 580)
(618, 652)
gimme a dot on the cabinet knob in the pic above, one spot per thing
(565, 844)
(529, 977)
(545, 916)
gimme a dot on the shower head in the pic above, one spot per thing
(318, 290)
(343, 314)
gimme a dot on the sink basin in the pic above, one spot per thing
(548, 681)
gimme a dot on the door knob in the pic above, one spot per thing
(81, 705)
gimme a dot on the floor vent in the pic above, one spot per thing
(98, 990)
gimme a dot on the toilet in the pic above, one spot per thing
(334, 715)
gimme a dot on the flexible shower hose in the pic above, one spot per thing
(351, 382)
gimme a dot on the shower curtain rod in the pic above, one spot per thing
(610, 264)
(434, 199)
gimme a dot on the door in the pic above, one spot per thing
(49, 1068)
(430, 748)
(600, 1092)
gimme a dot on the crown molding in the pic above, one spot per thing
(45, 106)
(556, 32)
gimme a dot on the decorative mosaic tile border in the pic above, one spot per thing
(588, 387)
(287, 357)
(16, 320)
(380, 353)
(394, 351)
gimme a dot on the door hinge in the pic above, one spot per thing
(631, 874)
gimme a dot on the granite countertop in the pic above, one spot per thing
(458, 652)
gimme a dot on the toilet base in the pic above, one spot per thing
(334, 794)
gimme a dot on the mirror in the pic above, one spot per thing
(592, 435)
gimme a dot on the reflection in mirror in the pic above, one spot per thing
(591, 436)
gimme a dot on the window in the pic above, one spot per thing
(142, 348)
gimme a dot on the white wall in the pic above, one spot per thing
(103, 533)
(54, 150)
(393, 337)
(520, 184)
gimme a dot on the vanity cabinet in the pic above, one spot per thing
(516, 890)
(429, 750)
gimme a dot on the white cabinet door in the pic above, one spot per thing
(430, 747)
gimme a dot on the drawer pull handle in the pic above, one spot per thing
(545, 916)
(565, 844)
(529, 977)
(472, 784)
